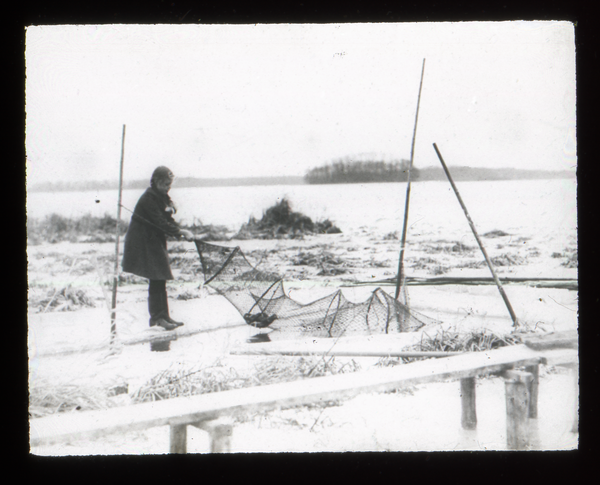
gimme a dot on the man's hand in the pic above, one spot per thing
(188, 235)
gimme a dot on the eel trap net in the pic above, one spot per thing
(261, 299)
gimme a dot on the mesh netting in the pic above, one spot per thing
(261, 299)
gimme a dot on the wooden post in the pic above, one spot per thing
(534, 370)
(178, 439)
(113, 314)
(400, 276)
(485, 255)
(220, 431)
(467, 398)
(517, 409)
(575, 375)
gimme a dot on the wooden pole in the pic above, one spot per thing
(575, 380)
(220, 431)
(113, 316)
(485, 255)
(468, 403)
(534, 386)
(400, 277)
(178, 439)
(517, 409)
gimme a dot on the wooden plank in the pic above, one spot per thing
(559, 356)
(555, 340)
(557, 283)
(95, 424)
(341, 353)
(468, 403)
(147, 336)
(373, 345)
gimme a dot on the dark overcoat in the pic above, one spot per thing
(145, 253)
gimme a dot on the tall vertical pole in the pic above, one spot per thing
(485, 255)
(400, 276)
(113, 315)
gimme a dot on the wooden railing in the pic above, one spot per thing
(210, 411)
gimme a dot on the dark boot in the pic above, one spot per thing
(161, 322)
(157, 305)
(166, 314)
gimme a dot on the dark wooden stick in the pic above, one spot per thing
(400, 281)
(468, 403)
(560, 283)
(113, 315)
(534, 386)
(517, 409)
(487, 259)
(220, 431)
(178, 438)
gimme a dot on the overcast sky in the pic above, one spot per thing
(257, 100)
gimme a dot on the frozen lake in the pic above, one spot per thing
(529, 207)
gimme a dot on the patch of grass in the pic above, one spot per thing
(56, 228)
(208, 232)
(454, 341)
(60, 300)
(129, 279)
(256, 275)
(187, 264)
(331, 271)
(507, 259)
(329, 263)
(188, 295)
(46, 399)
(439, 269)
(571, 260)
(570, 257)
(422, 263)
(472, 264)
(496, 233)
(316, 259)
(374, 263)
(448, 248)
(177, 382)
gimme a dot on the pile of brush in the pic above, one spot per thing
(279, 221)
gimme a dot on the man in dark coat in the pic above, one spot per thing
(145, 253)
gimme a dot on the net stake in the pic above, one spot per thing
(485, 255)
(113, 315)
(400, 281)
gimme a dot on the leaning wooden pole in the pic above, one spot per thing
(113, 314)
(400, 276)
(485, 255)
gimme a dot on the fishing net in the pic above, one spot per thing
(261, 299)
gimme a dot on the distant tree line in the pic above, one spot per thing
(348, 171)
(180, 182)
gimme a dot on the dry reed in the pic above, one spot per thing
(179, 382)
